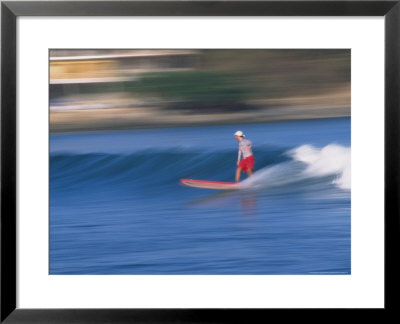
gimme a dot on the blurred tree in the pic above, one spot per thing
(207, 90)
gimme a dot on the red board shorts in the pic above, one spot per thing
(247, 163)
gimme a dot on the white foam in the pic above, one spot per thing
(330, 160)
(274, 176)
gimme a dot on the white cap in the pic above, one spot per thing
(239, 133)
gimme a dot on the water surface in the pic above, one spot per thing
(116, 205)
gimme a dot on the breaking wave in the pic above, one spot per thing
(275, 167)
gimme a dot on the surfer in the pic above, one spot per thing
(247, 163)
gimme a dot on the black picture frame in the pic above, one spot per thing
(11, 10)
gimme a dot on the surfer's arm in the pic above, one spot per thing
(239, 155)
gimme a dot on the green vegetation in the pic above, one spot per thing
(199, 86)
(207, 90)
(279, 73)
(231, 77)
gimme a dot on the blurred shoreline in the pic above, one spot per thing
(96, 90)
(330, 105)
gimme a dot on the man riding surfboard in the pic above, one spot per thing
(247, 163)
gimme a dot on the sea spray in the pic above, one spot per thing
(307, 163)
(330, 160)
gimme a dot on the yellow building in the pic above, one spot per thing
(94, 66)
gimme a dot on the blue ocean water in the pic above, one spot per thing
(117, 207)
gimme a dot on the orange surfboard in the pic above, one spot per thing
(206, 184)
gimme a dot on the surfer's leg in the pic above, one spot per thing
(238, 170)
(249, 172)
